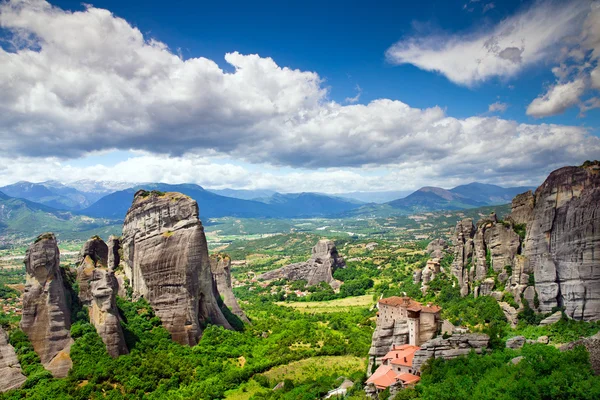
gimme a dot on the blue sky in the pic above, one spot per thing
(345, 42)
(347, 46)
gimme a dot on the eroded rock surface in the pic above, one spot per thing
(114, 252)
(437, 248)
(452, 347)
(166, 260)
(515, 342)
(319, 268)
(46, 316)
(386, 334)
(97, 290)
(462, 266)
(220, 265)
(562, 242)
(554, 318)
(11, 376)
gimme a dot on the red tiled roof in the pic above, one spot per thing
(402, 357)
(409, 304)
(383, 377)
(407, 378)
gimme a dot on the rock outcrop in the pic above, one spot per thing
(452, 347)
(562, 242)
(516, 342)
(220, 265)
(463, 254)
(554, 318)
(546, 252)
(165, 257)
(46, 315)
(437, 248)
(96, 249)
(510, 313)
(97, 290)
(522, 207)
(11, 376)
(319, 268)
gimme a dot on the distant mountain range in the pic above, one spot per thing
(24, 219)
(26, 206)
(75, 196)
(430, 198)
(465, 196)
(212, 205)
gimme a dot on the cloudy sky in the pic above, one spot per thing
(298, 96)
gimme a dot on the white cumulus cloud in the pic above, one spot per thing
(500, 51)
(558, 98)
(73, 83)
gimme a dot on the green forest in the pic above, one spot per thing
(240, 364)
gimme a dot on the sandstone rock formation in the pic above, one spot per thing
(11, 376)
(515, 342)
(522, 207)
(46, 316)
(114, 264)
(554, 318)
(454, 346)
(386, 334)
(165, 258)
(97, 290)
(562, 242)
(114, 252)
(510, 313)
(320, 268)
(463, 253)
(220, 265)
(96, 249)
(437, 248)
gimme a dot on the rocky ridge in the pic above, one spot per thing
(46, 315)
(319, 268)
(165, 258)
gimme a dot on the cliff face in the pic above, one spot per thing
(560, 252)
(166, 260)
(46, 316)
(220, 265)
(386, 334)
(319, 268)
(97, 290)
(562, 242)
(491, 246)
(452, 347)
(11, 376)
